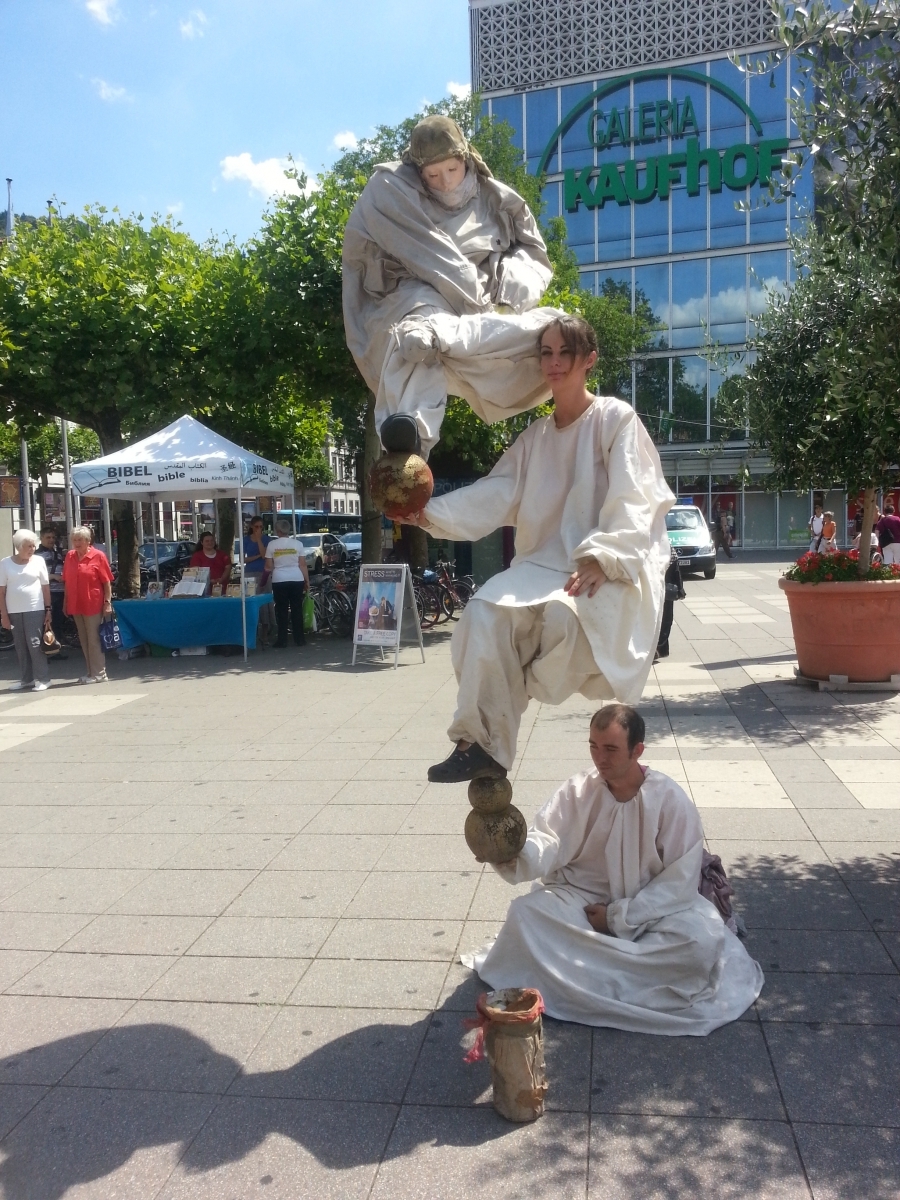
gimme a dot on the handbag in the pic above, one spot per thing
(49, 644)
(110, 637)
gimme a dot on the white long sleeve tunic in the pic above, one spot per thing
(592, 490)
(669, 964)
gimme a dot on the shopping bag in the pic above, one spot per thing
(110, 638)
(309, 614)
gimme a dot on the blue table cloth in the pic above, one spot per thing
(215, 621)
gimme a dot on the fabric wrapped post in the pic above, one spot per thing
(511, 1033)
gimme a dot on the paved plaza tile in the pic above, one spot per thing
(230, 924)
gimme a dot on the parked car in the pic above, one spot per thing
(690, 537)
(173, 556)
(322, 550)
(353, 544)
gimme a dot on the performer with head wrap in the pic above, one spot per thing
(443, 266)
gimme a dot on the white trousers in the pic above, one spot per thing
(489, 359)
(503, 657)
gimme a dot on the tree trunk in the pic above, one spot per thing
(128, 582)
(121, 514)
(865, 537)
(417, 546)
(226, 512)
(371, 517)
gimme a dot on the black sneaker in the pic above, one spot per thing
(463, 765)
(400, 434)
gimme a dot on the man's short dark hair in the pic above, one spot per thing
(889, 509)
(577, 334)
(625, 717)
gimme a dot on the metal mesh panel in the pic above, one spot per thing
(520, 42)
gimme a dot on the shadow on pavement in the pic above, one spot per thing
(671, 1117)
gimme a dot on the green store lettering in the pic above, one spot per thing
(647, 123)
(736, 168)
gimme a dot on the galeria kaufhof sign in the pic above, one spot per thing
(650, 176)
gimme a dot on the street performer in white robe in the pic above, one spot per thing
(443, 267)
(616, 932)
(579, 608)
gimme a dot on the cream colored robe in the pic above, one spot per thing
(592, 490)
(669, 965)
(406, 256)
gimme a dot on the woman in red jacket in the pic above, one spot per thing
(88, 599)
(209, 555)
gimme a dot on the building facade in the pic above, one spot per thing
(657, 150)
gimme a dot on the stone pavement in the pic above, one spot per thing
(231, 909)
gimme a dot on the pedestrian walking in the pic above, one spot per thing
(50, 552)
(255, 543)
(25, 609)
(816, 527)
(721, 535)
(88, 599)
(286, 561)
(888, 530)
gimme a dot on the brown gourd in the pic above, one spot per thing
(495, 830)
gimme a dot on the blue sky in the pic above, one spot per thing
(188, 107)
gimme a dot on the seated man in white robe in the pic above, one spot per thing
(579, 609)
(616, 932)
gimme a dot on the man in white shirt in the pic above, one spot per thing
(286, 560)
(25, 609)
(579, 609)
(616, 932)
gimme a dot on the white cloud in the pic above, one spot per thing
(110, 93)
(194, 26)
(104, 11)
(174, 209)
(266, 177)
(345, 141)
(459, 91)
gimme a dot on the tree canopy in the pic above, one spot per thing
(823, 394)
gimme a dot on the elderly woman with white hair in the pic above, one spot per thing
(25, 609)
(88, 600)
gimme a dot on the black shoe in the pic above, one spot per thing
(400, 435)
(462, 765)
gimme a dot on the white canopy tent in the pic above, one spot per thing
(181, 460)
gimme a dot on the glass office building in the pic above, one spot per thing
(656, 149)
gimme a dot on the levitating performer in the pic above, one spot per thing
(616, 932)
(443, 267)
(579, 609)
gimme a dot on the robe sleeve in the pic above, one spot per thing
(554, 839)
(623, 538)
(475, 511)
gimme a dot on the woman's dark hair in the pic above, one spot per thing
(577, 334)
(208, 533)
(625, 717)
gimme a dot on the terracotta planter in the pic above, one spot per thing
(850, 629)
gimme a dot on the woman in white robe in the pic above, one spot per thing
(440, 287)
(668, 965)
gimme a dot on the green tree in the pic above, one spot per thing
(823, 396)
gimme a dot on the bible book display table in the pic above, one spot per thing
(214, 621)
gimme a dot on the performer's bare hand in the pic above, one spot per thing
(588, 577)
(413, 518)
(596, 915)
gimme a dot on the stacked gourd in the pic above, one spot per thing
(495, 829)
